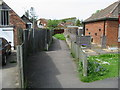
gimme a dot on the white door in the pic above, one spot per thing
(7, 33)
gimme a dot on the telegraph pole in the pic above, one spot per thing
(33, 17)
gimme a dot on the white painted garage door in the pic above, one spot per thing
(7, 33)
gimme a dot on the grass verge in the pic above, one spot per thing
(101, 67)
(60, 36)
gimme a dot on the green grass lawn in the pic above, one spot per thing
(101, 67)
(60, 36)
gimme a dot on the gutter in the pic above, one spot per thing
(101, 19)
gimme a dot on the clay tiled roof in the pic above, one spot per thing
(111, 12)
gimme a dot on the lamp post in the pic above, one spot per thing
(33, 17)
(33, 27)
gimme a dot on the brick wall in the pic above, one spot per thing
(96, 30)
(91, 29)
(112, 33)
(17, 22)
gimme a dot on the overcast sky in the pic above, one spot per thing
(59, 9)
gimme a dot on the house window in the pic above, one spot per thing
(87, 29)
(89, 33)
(91, 39)
(4, 17)
(95, 34)
(99, 29)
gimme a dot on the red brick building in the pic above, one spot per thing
(103, 26)
(10, 24)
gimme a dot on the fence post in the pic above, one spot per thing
(85, 65)
(46, 39)
(20, 66)
(83, 59)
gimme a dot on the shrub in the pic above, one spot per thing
(60, 36)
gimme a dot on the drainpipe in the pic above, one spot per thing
(84, 29)
(104, 28)
(104, 36)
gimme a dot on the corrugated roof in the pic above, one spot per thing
(109, 12)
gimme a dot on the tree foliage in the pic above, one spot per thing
(27, 14)
(31, 14)
(97, 11)
(52, 24)
(78, 23)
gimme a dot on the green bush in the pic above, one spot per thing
(60, 36)
(98, 69)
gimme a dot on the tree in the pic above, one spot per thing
(27, 14)
(78, 23)
(64, 21)
(31, 14)
(97, 11)
(52, 24)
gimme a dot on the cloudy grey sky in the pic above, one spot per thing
(58, 9)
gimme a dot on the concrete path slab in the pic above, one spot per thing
(10, 73)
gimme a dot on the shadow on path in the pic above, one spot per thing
(55, 46)
(42, 71)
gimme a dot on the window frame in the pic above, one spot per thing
(3, 20)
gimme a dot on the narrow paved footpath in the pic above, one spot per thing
(56, 69)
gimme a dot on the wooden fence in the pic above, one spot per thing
(58, 31)
(41, 41)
